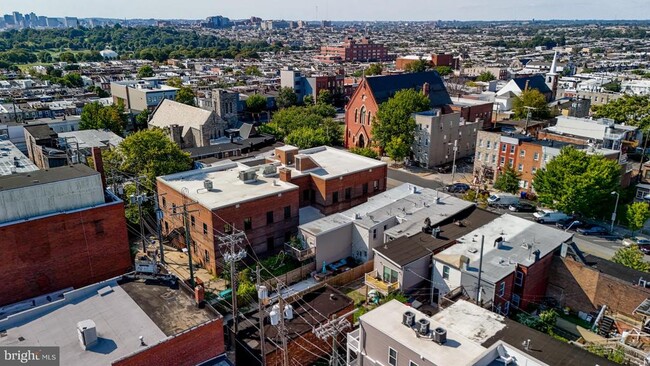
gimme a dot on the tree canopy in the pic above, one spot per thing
(325, 97)
(186, 95)
(397, 149)
(145, 71)
(576, 182)
(286, 98)
(374, 69)
(531, 98)
(96, 116)
(636, 215)
(631, 257)
(256, 103)
(417, 66)
(306, 126)
(486, 76)
(443, 70)
(150, 153)
(633, 110)
(508, 180)
(394, 117)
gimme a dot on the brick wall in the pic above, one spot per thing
(583, 288)
(65, 250)
(189, 348)
(355, 129)
(325, 189)
(535, 281)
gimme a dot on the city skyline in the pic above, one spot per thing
(410, 10)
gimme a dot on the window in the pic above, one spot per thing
(503, 160)
(533, 171)
(512, 149)
(173, 208)
(503, 147)
(390, 276)
(205, 229)
(287, 212)
(536, 156)
(164, 202)
(227, 228)
(506, 308)
(348, 193)
(480, 142)
(248, 223)
(335, 197)
(494, 159)
(516, 300)
(519, 278)
(269, 217)
(375, 185)
(478, 155)
(445, 272)
(392, 357)
(411, 363)
(502, 288)
(522, 153)
(487, 144)
(206, 256)
(192, 220)
(511, 162)
(520, 167)
(365, 188)
(374, 233)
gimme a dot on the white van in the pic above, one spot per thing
(549, 216)
(502, 200)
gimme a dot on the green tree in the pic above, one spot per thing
(576, 182)
(175, 82)
(443, 70)
(150, 153)
(365, 151)
(290, 124)
(397, 149)
(613, 86)
(185, 95)
(286, 98)
(633, 110)
(96, 116)
(324, 97)
(100, 92)
(486, 76)
(308, 100)
(374, 69)
(67, 57)
(72, 80)
(631, 257)
(395, 117)
(255, 104)
(531, 98)
(305, 137)
(44, 57)
(145, 71)
(508, 180)
(253, 70)
(637, 214)
(418, 66)
(142, 120)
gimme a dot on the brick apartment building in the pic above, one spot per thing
(264, 201)
(516, 261)
(139, 95)
(351, 51)
(311, 85)
(435, 59)
(59, 229)
(43, 147)
(474, 110)
(374, 90)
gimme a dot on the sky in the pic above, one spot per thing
(337, 9)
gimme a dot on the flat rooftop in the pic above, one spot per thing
(122, 312)
(332, 163)
(227, 189)
(460, 349)
(405, 250)
(521, 238)
(92, 138)
(45, 176)
(9, 156)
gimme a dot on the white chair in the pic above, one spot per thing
(504, 357)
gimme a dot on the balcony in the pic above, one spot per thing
(299, 254)
(374, 280)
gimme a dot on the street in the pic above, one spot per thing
(600, 246)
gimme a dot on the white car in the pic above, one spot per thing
(549, 216)
(636, 240)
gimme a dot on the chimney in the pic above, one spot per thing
(425, 89)
(285, 175)
(527, 82)
(99, 164)
(199, 294)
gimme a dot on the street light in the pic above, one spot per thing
(611, 229)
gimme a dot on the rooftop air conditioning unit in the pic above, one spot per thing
(440, 335)
(423, 327)
(408, 319)
(207, 184)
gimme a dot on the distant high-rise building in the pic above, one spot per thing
(9, 19)
(71, 22)
(217, 22)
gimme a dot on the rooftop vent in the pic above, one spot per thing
(208, 185)
(87, 332)
(408, 319)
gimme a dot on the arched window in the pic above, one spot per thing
(363, 115)
(369, 118)
(356, 115)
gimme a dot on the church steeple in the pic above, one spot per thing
(552, 76)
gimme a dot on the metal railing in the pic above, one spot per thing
(375, 281)
(300, 254)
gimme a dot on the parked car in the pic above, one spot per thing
(502, 200)
(569, 223)
(458, 188)
(549, 216)
(444, 169)
(636, 240)
(645, 248)
(592, 230)
(522, 207)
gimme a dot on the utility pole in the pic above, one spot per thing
(188, 240)
(528, 115)
(332, 329)
(262, 297)
(139, 199)
(283, 329)
(480, 270)
(159, 216)
(233, 253)
(453, 164)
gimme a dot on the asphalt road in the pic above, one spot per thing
(600, 246)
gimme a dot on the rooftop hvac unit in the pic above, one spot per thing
(423, 327)
(248, 176)
(207, 184)
(270, 170)
(87, 332)
(408, 318)
(440, 335)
